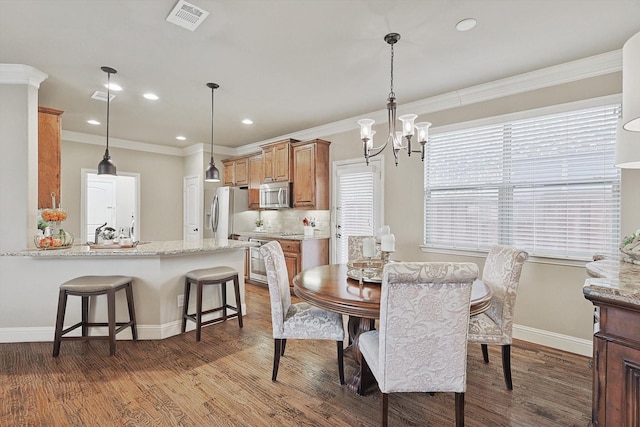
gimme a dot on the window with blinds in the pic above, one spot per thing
(544, 184)
(357, 203)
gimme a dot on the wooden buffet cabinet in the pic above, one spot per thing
(615, 290)
(49, 154)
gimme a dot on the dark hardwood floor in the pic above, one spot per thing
(225, 380)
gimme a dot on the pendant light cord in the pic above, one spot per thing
(108, 105)
(212, 103)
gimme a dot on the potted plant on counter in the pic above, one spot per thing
(108, 234)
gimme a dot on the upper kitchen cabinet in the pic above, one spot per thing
(311, 174)
(256, 174)
(49, 131)
(236, 172)
(276, 160)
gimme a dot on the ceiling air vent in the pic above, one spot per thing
(102, 96)
(187, 15)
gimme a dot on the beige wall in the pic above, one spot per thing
(550, 296)
(160, 187)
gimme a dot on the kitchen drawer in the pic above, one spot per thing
(290, 245)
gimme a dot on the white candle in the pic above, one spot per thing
(368, 247)
(383, 231)
(388, 243)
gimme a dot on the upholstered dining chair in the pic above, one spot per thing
(300, 320)
(421, 345)
(501, 274)
(354, 247)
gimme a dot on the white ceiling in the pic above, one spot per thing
(287, 64)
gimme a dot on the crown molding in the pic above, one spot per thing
(86, 138)
(593, 66)
(121, 143)
(20, 74)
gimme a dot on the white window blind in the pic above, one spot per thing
(356, 204)
(545, 184)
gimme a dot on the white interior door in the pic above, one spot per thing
(357, 205)
(101, 197)
(192, 222)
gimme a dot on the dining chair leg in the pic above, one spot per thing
(506, 365)
(277, 349)
(385, 409)
(341, 361)
(284, 345)
(459, 409)
(485, 353)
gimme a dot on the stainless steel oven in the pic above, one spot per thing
(257, 269)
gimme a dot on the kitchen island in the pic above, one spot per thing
(30, 280)
(614, 287)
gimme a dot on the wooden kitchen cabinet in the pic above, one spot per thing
(256, 173)
(49, 154)
(302, 254)
(276, 161)
(311, 174)
(236, 172)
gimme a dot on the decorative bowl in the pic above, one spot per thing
(53, 215)
(58, 240)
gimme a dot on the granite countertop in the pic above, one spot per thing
(173, 247)
(282, 235)
(613, 280)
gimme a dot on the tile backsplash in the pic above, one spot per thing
(290, 220)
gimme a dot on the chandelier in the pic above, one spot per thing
(394, 138)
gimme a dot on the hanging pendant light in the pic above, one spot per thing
(212, 174)
(106, 166)
(393, 137)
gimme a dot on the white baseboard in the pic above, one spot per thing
(551, 339)
(45, 334)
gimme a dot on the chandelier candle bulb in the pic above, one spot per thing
(388, 243)
(368, 247)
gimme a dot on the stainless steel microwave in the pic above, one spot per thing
(275, 195)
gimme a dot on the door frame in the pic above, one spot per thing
(198, 208)
(83, 200)
(378, 216)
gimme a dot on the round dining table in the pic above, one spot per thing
(330, 287)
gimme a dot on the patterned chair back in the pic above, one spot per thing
(354, 244)
(501, 273)
(278, 281)
(424, 318)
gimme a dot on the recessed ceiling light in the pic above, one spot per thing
(247, 121)
(114, 86)
(466, 24)
(93, 122)
(181, 138)
(151, 96)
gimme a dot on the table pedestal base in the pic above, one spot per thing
(356, 326)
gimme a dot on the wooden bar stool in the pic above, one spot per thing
(88, 286)
(210, 276)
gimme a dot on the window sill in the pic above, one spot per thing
(483, 254)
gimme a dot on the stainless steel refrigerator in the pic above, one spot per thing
(227, 203)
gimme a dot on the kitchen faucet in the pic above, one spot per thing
(98, 230)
